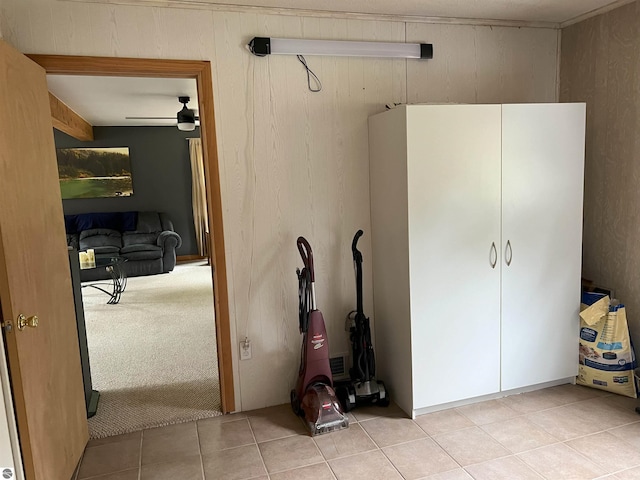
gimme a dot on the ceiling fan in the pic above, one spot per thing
(186, 117)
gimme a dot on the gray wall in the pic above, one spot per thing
(161, 173)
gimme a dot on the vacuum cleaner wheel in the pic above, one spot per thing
(295, 403)
(383, 399)
(347, 397)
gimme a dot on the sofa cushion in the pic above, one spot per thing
(143, 267)
(141, 252)
(135, 238)
(149, 222)
(100, 237)
(106, 251)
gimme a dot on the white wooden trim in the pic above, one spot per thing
(208, 5)
(492, 396)
(596, 12)
(9, 444)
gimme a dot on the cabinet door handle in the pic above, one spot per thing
(493, 255)
(508, 253)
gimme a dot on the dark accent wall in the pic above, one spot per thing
(161, 173)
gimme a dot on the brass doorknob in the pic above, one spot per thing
(24, 322)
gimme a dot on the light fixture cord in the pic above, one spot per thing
(310, 74)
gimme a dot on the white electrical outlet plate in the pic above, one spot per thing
(245, 350)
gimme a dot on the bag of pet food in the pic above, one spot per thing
(606, 359)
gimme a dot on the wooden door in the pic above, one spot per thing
(44, 362)
(454, 235)
(542, 171)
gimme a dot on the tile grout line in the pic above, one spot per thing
(258, 447)
(200, 450)
(557, 440)
(529, 421)
(564, 442)
(525, 416)
(608, 430)
(588, 460)
(140, 456)
(382, 451)
(324, 457)
(520, 414)
(597, 463)
(463, 467)
(497, 400)
(535, 472)
(438, 445)
(296, 468)
(77, 472)
(619, 471)
(584, 435)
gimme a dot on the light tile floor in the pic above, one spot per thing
(560, 433)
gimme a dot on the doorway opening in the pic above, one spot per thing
(200, 72)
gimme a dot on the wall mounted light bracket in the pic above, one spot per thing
(263, 46)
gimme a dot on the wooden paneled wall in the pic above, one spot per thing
(601, 66)
(482, 64)
(295, 162)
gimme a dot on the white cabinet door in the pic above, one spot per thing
(542, 185)
(454, 219)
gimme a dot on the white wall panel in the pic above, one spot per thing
(9, 449)
(477, 64)
(292, 162)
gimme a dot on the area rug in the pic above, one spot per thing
(153, 355)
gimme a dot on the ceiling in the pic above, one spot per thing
(555, 11)
(107, 101)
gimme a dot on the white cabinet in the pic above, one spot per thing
(476, 215)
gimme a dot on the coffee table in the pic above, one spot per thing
(113, 265)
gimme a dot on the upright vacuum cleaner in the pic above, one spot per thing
(314, 398)
(363, 388)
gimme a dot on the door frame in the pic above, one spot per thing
(201, 72)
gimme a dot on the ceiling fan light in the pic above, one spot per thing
(186, 120)
(186, 126)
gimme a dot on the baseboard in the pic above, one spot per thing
(189, 258)
(492, 396)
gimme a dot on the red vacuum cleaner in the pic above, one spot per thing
(314, 398)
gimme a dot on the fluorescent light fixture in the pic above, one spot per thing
(262, 46)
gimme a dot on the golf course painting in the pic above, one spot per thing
(94, 172)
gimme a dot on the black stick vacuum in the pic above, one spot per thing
(363, 388)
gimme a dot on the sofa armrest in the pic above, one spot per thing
(169, 241)
(165, 222)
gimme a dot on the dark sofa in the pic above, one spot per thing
(146, 239)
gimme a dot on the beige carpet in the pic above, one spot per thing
(153, 355)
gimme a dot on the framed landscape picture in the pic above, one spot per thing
(94, 172)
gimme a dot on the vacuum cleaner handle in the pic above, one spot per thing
(354, 248)
(357, 260)
(307, 256)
